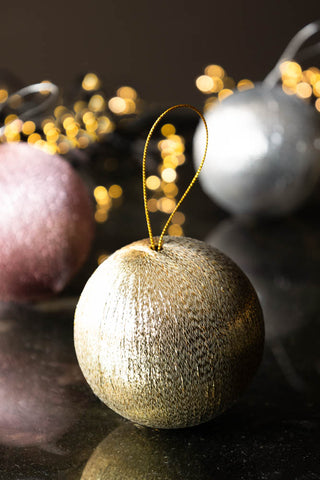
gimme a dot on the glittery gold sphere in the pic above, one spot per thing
(168, 339)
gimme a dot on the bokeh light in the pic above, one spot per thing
(90, 82)
(217, 85)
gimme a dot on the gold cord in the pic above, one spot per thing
(153, 246)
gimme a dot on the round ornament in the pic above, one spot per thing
(168, 339)
(168, 331)
(264, 157)
(46, 222)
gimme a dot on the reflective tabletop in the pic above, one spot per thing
(52, 426)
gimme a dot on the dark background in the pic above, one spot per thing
(157, 47)
(57, 427)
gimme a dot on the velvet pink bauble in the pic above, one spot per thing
(46, 222)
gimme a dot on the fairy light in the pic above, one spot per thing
(316, 89)
(12, 130)
(291, 73)
(97, 103)
(10, 118)
(105, 200)
(153, 182)
(102, 257)
(90, 82)
(83, 141)
(168, 129)
(302, 83)
(28, 127)
(304, 90)
(47, 124)
(152, 205)
(210, 102)
(3, 95)
(166, 204)
(218, 85)
(204, 83)
(79, 106)
(170, 190)
(214, 71)
(59, 111)
(127, 93)
(52, 134)
(63, 147)
(169, 175)
(89, 119)
(115, 191)
(101, 215)
(33, 138)
(305, 84)
(117, 105)
(163, 186)
(226, 92)
(101, 194)
(178, 218)
(245, 84)
(125, 102)
(175, 230)
(67, 120)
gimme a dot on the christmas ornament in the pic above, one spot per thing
(46, 222)
(168, 331)
(264, 157)
(24, 110)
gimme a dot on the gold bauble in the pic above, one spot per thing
(168, 338)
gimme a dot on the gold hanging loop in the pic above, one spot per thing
(152, 243)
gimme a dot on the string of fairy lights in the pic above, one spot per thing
(216, 84)
(163, 187)
(93, 116)
(90, 120)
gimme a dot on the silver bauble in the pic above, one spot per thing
(264, 152)
(168, 339)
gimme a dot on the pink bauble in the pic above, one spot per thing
(46, 222)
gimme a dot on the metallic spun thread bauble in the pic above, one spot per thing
(168, 339)
(264, 152)
(46, 223)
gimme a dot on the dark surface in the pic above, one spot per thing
(52, 426)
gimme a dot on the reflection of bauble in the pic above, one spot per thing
(131, 453)
(168, 339)
(282, 261)
(37, 378)
(264, 152)
(128, 454)
(46, 222)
